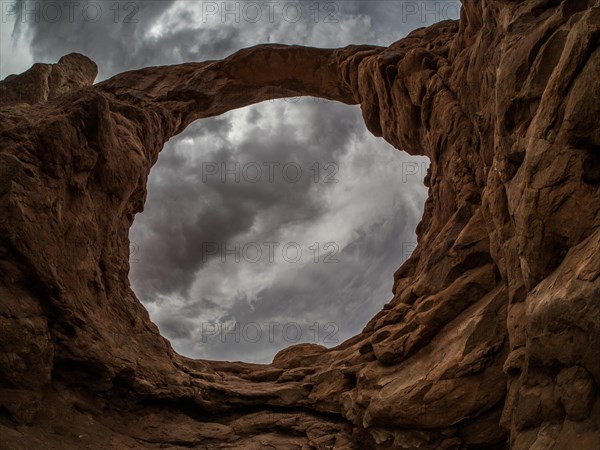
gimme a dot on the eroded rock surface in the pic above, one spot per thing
(491, 338)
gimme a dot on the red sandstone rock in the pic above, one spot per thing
(493, 332)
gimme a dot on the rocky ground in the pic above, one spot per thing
(492, 336)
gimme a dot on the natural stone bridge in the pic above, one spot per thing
(492, 333)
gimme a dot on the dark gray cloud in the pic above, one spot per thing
(195, 293)
(123, 35)
(337, 298)
(206, 190)
(370, 215)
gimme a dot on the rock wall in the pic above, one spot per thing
(491, 338)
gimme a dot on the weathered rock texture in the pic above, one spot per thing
(493, 333)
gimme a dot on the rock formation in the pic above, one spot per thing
(492, 336)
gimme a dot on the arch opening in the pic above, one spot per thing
(276, 224)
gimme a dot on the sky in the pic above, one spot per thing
(271, 225)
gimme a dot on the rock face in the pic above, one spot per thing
(491, 338)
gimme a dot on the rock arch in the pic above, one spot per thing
(494, 323)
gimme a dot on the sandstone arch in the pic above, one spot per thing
(494, 320)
